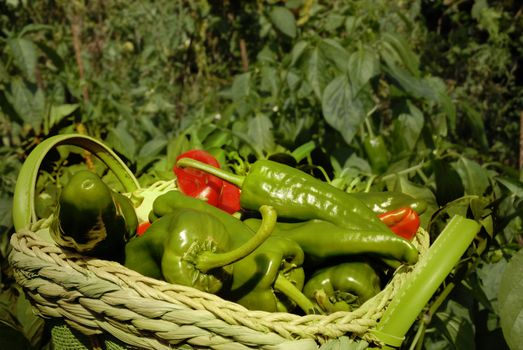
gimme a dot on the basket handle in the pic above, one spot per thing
(423, 282)
(24, 213)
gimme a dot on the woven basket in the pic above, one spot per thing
(101, 303)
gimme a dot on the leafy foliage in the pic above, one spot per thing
(438, 81)
(510, 304)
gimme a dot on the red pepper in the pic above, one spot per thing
(403, 221)
(229, 198)
(142, 228)
(196, 183)
(199, 184)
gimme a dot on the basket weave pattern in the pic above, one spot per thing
(96, 296)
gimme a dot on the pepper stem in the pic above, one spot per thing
(222, 174)
(284, 286)
(207, 260)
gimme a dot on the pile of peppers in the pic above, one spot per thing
(276, 239)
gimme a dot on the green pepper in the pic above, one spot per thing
(93, 219)
(194, 248)
(296, 195)
(382, 202)
(322, 240)
(377, 153)
(342, 287)
(270, 278)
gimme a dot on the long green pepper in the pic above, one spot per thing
(384, 201)
(322, 240)
(296, 195)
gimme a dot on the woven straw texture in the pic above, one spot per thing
(100, 298)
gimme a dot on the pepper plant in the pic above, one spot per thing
(419, 97)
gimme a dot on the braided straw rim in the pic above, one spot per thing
(96, 296)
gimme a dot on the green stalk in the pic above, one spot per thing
(207, 260)
(417, 342)
(284, 286)
(402, 172)
(427, 276)
(303, 150)
(24, 195)
(222, 174)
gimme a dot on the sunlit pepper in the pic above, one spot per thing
(404, 222)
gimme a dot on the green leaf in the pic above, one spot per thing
(442, 98)
(4, 74)
(35, 27)
(473, 176)
(406, 131)
(266, 55)
(29, 105)
(490, 277)
(333, 22)
(53, 56)
(513, 186)
(5, 211)
(24, 56)
(152, 148)
(397, 47)
(122, 141)
(6, 106)
(456, 325)
(11, 338)
(298, 52)
(32, 325)
(293, 81)
(510, 301)
(336, 53)
(283, 19)
(449, 185)
(487, 17)
(259, 131)
(315, 71)
(340, 109)
(352, 23)
(58, 113)
(175, 147)
(363, 66)
(151, 128)
(150, 152)
(242, 94)
(357, 163)
(241, 86)
(403, 184)
(411, 84)
(475, 123)
(269, 80)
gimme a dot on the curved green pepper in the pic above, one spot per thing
(342, 287)
(270, 278)
(321, 240)
(93, 219)
(296, 195)
(382, 202)
(193, 248)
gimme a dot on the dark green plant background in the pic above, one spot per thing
(421, 96)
